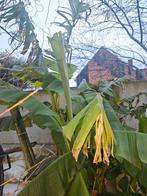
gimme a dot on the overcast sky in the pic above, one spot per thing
(43, 14)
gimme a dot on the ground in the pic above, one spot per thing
(14, 176)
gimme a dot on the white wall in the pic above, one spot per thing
(43, 136)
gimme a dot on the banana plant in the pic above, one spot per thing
(128, 154)
(95, 136)
(77, 11)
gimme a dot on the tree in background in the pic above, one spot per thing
(16, 23)
(108, 18)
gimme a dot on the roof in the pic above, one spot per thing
(96, 57)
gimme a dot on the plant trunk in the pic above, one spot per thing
(59, 52)
(63, 71)
(23, 138)
(1, 170)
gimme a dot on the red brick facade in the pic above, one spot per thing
(106, 66)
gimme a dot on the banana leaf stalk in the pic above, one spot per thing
(23, 138)
(59, 53)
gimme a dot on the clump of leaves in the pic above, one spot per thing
(78, 131)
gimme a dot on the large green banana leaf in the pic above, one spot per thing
(60, 178)
(136, 173)
(52, 64)
(7, 124)
(130, 145)
(87, 115)
(112, 116)
(9, 96)
(143, 124)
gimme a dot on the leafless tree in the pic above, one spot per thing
(129, 15)
(124, 16)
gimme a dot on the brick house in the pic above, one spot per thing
(104, 65)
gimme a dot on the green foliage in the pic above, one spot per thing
(64, 175)
(83, 116)
(9, 96)
(112, 116)
(59, 53)
(107, 87)
(51, 63)
(143, 124)
(7, 124)
(14, 13)
(78, 11)
(61, 177)
(129, 144)
(86, 121)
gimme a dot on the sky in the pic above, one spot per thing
(43, 14)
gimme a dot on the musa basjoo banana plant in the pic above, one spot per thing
(98, 143)
(91, 117)
(96, 138)
(104, 138)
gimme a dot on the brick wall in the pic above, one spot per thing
(97, 72)
(144, 73)
(106, 66)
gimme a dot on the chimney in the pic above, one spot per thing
(130, 62)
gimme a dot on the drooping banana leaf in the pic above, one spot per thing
(87, 124)
(60, 178)
(79, 131)
(126, 146)
(7, 124)
(39, 113)
(130, 145)
(9, 96)
(92, 110)
(112, 116)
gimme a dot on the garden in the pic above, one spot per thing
(96, 151)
